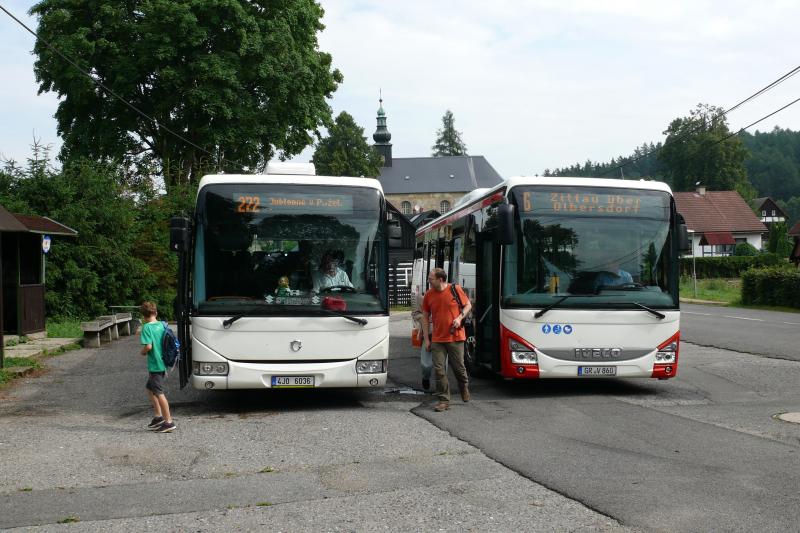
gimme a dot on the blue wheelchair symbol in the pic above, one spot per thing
(556, 329)
(546, 329)
(567, 329)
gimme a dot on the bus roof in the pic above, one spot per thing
(467, 205)
(588, 182)
(216, 179)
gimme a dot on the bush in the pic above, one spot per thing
(771, 286)
(728, 267)
(745, 249)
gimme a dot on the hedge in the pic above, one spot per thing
(728, 266)
(771, 286)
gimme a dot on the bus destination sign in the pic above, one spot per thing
(587, 203)
(292, 203)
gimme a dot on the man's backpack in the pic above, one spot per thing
(170, 347)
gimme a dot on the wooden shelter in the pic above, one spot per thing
(22, 270)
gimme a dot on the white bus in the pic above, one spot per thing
(569, 277)
(283, 278)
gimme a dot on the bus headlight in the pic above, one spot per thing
(371, 367)
(521, 354)
(209, 369)
(667, 353)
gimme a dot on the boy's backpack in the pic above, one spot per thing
(170, 347)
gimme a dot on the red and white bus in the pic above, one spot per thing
(568, 277)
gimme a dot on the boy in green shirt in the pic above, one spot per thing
(152, 339)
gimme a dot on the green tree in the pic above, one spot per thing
(698, 149)
(745, 249)
(241, 80)
(779, 242)
(792, 209)
(100, 267)
(345, 151)
(448, 139)
(774, 166)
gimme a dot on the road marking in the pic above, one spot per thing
(736, 317)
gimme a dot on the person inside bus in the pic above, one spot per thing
(615, 276)
(329, 273)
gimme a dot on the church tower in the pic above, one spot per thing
(382, 137)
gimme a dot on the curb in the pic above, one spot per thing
(704, 302)
(19, 371)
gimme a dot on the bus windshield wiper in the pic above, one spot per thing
(227, 322)
(542, 311)
(351, 318)
(661, 316)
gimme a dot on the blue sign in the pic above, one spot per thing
(546, 329)
(556, 329)
(567, 329)
(46, 243)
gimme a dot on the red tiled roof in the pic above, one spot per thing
(709, 239)
(717, 211)
(795, 231)
(36, 224)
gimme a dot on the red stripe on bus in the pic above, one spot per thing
(496, 197)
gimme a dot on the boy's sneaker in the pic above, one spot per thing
(155, 423)
(166, 427)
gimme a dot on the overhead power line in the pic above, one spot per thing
(114, 94)
(697, 128)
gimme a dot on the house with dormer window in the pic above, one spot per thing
(718, 221)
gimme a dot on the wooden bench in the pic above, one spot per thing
(97, 331)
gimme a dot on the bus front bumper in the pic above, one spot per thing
(260, 376)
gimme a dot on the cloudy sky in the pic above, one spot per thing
(532, 84)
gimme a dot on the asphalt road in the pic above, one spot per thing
(73, 448)
(768, 333)
(701, 452)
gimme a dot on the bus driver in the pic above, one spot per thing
(329, 273)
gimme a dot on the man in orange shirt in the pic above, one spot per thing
(439, 306)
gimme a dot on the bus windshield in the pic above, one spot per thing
(287, 249)
(602, 247)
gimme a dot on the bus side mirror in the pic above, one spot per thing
(505, 213)
(179, 234)
(395, 234)
(684, 245)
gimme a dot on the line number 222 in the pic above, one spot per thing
(248, 204)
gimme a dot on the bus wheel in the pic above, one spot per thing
(473, 367)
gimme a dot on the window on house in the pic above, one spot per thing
(773, 212)
(763, 212)
(444, 206)
(405, 207)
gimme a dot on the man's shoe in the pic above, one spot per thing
(166, 427)
(426, 384)
(441, 406)
(155, 423)
(465, 395)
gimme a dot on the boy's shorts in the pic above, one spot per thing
(155, 382)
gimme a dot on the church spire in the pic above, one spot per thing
(382, 135)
